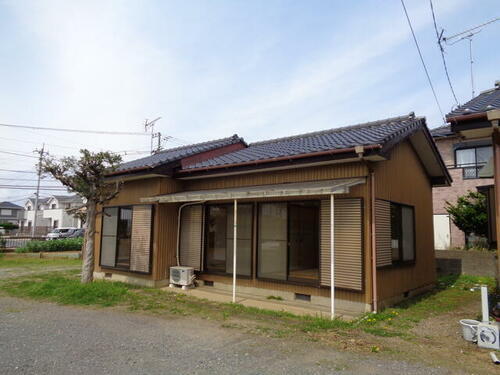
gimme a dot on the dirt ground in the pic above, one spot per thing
(45, 338)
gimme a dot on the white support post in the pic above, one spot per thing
(234, 247)
(332, 257)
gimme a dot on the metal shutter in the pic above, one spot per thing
(383, 232)
(108, 238)
(140, 252)
(348, 243)
(191, 236)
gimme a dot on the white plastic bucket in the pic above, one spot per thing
(469, 329)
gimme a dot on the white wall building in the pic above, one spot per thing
(53, 212)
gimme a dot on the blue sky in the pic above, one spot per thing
(262, 69)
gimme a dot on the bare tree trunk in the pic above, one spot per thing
(88, 250)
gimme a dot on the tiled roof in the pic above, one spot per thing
(10, 205)
(442, 131)
(371, 133)
(68, 198)
(486, 101)
(177, 153)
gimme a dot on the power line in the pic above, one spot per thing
(441, 49)
(28, 187)
(423, 62)
(25, 179)
(16, 171)
(18, 154)
(72, 130)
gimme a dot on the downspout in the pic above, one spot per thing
(360, 152)
(373, 242)
(178, 247)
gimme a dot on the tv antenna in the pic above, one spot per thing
(467, 35)
(150, 125)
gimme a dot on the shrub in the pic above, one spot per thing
(9, 226)
(63, 244)
(3, 241)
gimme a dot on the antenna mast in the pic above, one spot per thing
(467, 35)
(150, 125)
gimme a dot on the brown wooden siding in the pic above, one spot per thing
(402, 179)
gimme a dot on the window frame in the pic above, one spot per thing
(476, 166)
(401, 262)
(123, 269)
(206, 210)
(296, 281)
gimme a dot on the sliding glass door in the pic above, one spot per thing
(288, 245)
(220, 237)
(272, 249)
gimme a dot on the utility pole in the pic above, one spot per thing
(37, 194)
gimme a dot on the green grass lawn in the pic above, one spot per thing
(35, 263)
(65, 288)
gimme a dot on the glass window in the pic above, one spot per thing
(466, 157)
(402, 233)
(484, 154)
(220, 237)
(108, 237)
(124, 234)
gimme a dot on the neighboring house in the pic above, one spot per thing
(53, 212)
(476, 121)
(29, 215)
(467, 147)
(464, 160)
(177, 207)
(11, 213)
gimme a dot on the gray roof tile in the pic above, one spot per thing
(442, 131)
(377, 132)
(486, 101)
(175, 154)
(10, 205)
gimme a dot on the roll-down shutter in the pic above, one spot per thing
(140, 252)
(348, 231)
(191, 236)
(383, 232)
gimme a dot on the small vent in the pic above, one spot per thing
(208, 283)
(406, 294)
(108, 275)
(303, 297)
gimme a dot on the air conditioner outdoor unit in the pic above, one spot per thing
(182, 276)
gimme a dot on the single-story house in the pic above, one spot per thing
(362, 193)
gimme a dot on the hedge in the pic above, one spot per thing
(63, 244)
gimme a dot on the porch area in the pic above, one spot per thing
(292, 247)
(266, 299)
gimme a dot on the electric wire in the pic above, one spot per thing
(441, 49)
(72, 130)
(423, 62)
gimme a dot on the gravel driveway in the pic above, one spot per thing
(44, 338)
